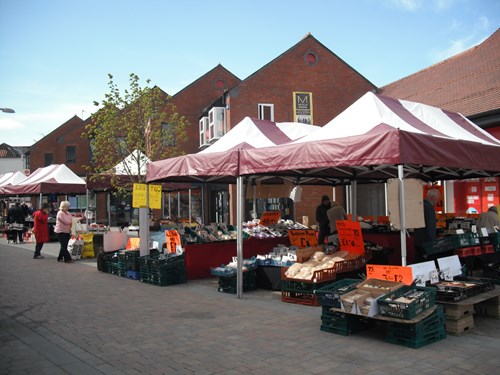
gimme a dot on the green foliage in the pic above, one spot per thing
(140, 118)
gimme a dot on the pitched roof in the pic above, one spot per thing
(468, 83)
(7, 151)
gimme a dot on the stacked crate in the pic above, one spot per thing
(162, 269)
(416, 335)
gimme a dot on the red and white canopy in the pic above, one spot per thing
(375, 134)
(220, 161)
(11, 178)
(56, 178)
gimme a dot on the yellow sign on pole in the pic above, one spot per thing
(155, 197)
(140, 196)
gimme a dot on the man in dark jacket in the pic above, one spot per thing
(427, 233)
(16, 216)
(322, 219)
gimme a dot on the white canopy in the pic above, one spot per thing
(134, 164)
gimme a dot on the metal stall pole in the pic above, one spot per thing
(169, 207)
(239, 237)
(354, 197)
(189, 205)
(402, 213)
(178, 205)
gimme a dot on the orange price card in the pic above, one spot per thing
(269, 218)
(350, 237)
(172, 239)
(302, 237)
(399, 274)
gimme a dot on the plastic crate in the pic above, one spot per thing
(403, 310)
(228, 284)
(300, 298)
(468, 251)
(319, 277)
(492, 271)
(495, 240)
(329, 295)
(133, 274)
(428, 338)
(448, 243)
(450, 293)
(417, 331)
(344, 324)
(487, 249)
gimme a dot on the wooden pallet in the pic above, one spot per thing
(459, 326)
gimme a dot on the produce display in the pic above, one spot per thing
(280, 256)
(319, 261)
(230, 269)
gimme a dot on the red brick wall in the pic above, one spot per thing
(198, 96)
(334, 85)
(68, 134)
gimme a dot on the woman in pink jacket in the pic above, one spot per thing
(63, 231)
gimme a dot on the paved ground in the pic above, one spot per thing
(58, 318)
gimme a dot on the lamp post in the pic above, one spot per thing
(7, 110)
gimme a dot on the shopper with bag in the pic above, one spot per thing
(64, 221)
(41, 229)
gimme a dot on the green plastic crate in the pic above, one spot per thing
(329, 295)
(389, 307)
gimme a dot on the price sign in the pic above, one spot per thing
(269, 217)
(447, 274)
(172, 240)
(398, 274)
(434, 277)
(139, 196)
(302, 237)
(350, 237)
(155, 197)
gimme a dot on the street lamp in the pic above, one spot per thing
(7, 110)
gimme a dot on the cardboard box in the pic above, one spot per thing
(348, 304)
(369, 309)
(305, 253)
(456, 312)
(460, 326)
(379, 286)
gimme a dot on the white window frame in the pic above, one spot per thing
(261, 111)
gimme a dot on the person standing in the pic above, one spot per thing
(64, 220)
(336, 212)
(322, 219)
(488, 220)
(16, 216)
(428, 232)
(41, 229)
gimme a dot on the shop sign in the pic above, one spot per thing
(303, 237)
(302, 107)
(155, 197)
(351, 237)
(399, 274)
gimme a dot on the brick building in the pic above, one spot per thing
(327, 82)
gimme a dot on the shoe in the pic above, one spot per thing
(60, 260)
(38, 257)
(69, 261)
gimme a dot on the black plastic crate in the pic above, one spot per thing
(428, 338)
(344, 324)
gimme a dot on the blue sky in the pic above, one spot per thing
(55, 55)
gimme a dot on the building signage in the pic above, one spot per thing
(302, 107)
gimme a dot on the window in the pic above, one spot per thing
(168, 131)
(49, 158)
(70, 154)
(266, 112)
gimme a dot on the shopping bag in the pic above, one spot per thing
(76, 227)
(75, 247)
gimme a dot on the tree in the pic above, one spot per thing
(142, 120)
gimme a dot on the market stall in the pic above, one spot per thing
(379, 138)
(375, 139)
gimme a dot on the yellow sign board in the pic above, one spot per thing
(140, 196)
